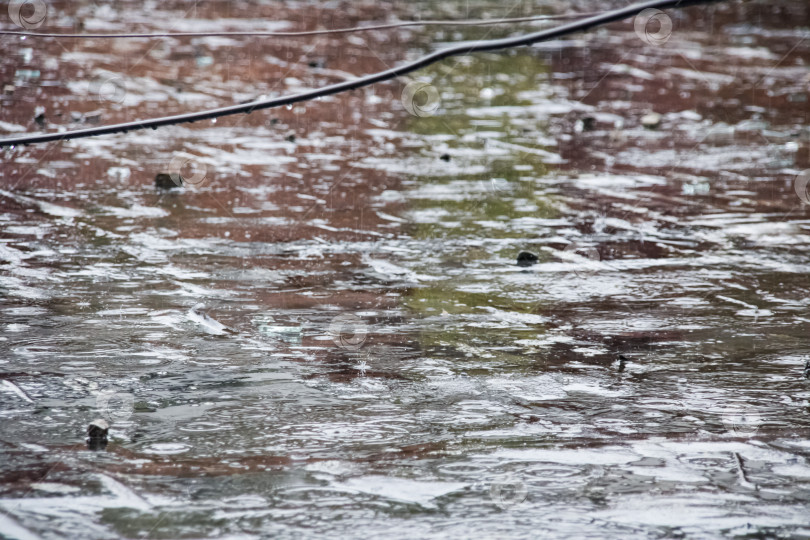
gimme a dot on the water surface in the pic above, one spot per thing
(388, 369)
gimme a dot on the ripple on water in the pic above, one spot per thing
(372, 432)
(203, 427)
(454, 390)
(167, 448)
(462, 468)
(544, 387)
(77, 366)
(552, 472)
(33, 349)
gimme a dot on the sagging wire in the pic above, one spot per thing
(350, 30)
(467, 48)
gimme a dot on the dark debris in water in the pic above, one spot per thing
(97, 433)
(526, 258)
(168, 181)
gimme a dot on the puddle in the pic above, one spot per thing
(326, 332)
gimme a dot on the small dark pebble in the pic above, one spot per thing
(445, 157)
(167, 181)
(97, 434)
(525, 258)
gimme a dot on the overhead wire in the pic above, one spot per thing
(304, 33)
(345, 86)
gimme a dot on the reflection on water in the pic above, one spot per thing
(327, 331)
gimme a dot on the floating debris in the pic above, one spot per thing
(525, 258)
(209, 324)
(97, 433)
(39, 116)
(445, 157)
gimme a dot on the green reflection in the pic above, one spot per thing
(494, 155)
(490, 192)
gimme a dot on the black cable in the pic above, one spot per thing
(387, 26)
(478, 46)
